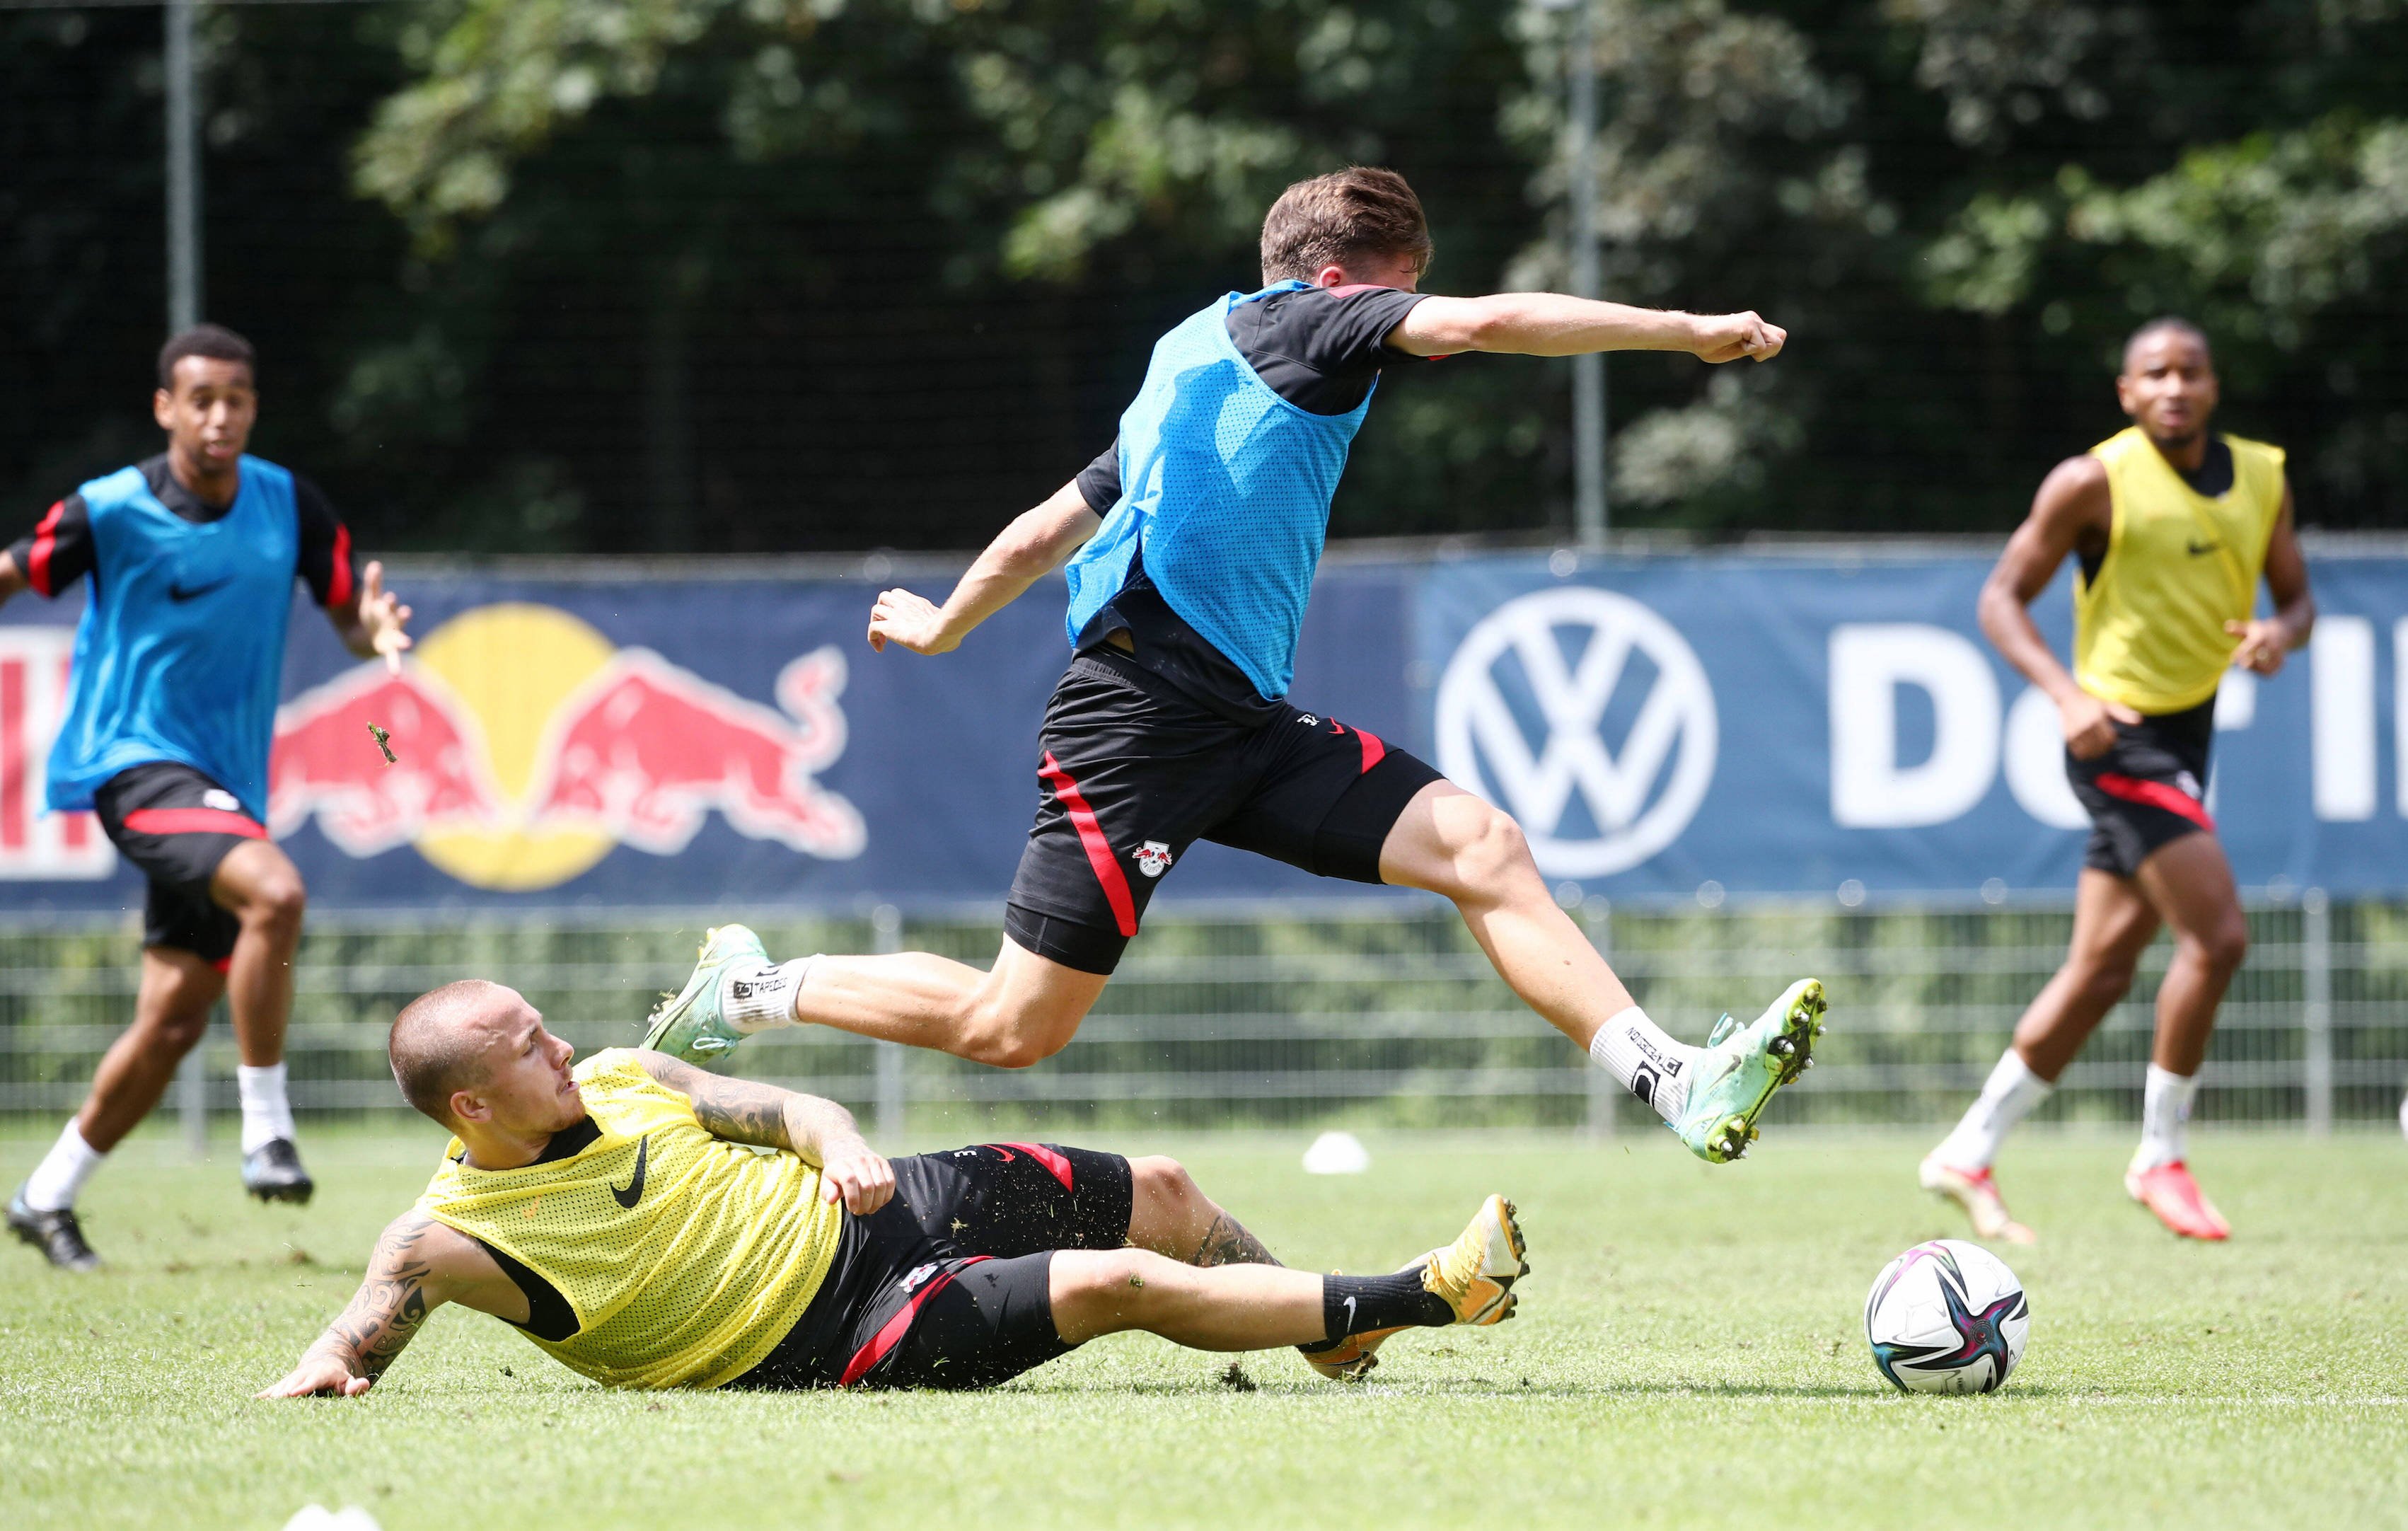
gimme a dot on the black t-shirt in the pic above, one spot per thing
(549, 1314)
(59, 551)
(1319, 348)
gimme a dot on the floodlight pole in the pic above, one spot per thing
(183, 312)
(183, 171)
(1588, 369)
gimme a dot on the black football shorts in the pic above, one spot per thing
(1131, 773)
(177, 825)
(2149, 789)
(948, 1285)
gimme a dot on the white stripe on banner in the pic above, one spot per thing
(2341, 718)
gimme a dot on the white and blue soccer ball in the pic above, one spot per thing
(1947, 1317)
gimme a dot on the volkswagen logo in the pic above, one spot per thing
(1567, 654)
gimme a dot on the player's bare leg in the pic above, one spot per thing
(2190, 883)
(1452, 844)
(1254, 1306)
(1019, 1013)
(2114, 923)
(171, 1011)
(1456, 845)
(262, 889)
(1170, 1215)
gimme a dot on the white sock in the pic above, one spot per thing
(2165, 1110)
(1647, 1061)
(760, 999)
(53, 1184)
(266, 1113)
(2008, 1096)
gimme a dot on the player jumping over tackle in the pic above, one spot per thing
(191, 558)
(618, 1213)
(2173, 528)
(1191, 548)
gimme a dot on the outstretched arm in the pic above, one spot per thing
(12, 578)
(2265, 642)
(418, 1267)
(1552, 325)
(818, 1131)
(1032, 546)
(373, 625)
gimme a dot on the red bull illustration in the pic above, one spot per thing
(528, 747)
(647, 748)
(441, 779)
(37, 845)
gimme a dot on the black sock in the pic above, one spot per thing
(1353, 1304)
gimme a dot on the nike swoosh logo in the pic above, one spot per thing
(633, 1192)
(179, 593)
(1007, 1154)
(1350, 1315)
(2198, 548)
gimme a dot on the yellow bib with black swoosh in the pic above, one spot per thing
(2148, 627)
(686, 1257)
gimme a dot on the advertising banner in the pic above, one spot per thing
(1710, 725)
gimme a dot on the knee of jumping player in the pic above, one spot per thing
(2224, 944)
(1489, 854)
(1003, 1037)
(275, 902)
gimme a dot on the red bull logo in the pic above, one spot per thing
(37, 845)
(527, 746)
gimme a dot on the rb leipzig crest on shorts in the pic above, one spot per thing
(1154, 858)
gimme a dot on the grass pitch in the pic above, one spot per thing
(1689, 1353)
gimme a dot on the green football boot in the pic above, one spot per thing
(1742, 1065)
(691, 1025)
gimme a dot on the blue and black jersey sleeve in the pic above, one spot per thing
(1099, 481)
(326, 560)
(1322, 347)
(58, 552)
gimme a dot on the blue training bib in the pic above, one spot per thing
(181, 652)
(1226, 487)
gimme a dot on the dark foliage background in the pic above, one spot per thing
(791, 275)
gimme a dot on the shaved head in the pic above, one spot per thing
(438, 1041)
(2166, 324)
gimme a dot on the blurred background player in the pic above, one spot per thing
(1191, 547)
(191, 558)
(2173, 527)
(618, 1213)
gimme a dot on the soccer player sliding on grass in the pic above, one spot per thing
(1191, 548)
(619, 1213)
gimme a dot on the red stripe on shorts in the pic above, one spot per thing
(2156, 794)
(891, 1333)
(1373, 750)
(193, 820)
(1091, 835)
(1046, 1156)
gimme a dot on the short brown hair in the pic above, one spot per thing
(1339, 217)
(433, 1050)
(214, 341)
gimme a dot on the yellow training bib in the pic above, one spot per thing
(2148, 629)
(687, 1258)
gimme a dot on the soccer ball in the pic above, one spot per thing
(1947, 1317)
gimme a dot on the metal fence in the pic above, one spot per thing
(1384, 1016)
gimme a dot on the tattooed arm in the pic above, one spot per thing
(820, 1131)
(419, 1266)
